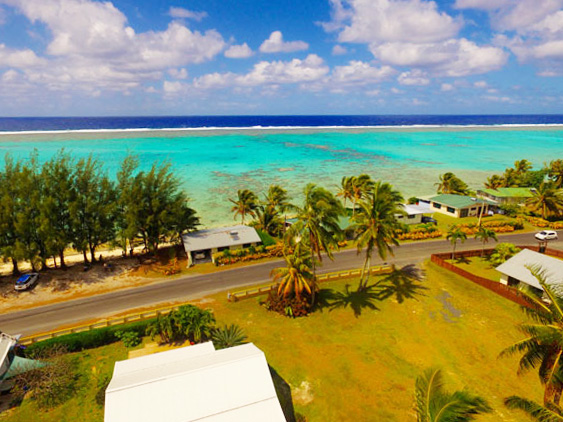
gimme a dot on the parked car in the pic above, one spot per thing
(546, 235)
(429, 220)
(26, 281)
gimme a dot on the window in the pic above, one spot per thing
(463, 213)
(222, 248)
(451, 210)
(436, 205)
(247, 245)
(399, 216)
(411, 216)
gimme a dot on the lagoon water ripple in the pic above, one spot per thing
(213, 165)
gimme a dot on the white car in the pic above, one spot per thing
(546, 235)
(26, 281)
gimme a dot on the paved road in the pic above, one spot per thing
(50, 317)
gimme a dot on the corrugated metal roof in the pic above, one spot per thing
(233, 384)
(515, 267)
(508, 192)
(458, 201)
(220, 238)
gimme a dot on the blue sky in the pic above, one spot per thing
(143, 57)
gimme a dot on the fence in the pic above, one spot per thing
(101, 324)
(507, 292)
(322, 278)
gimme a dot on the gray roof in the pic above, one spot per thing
(6, 343)
(516, 267)
(220, 238)
(414, 209)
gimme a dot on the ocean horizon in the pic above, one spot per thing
(214, 156)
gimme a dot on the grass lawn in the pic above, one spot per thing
(346, 366)
(479, 266)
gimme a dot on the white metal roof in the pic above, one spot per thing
(414, 209)
(516, 267)
(197, 383)
(6, 343)
(219, 238)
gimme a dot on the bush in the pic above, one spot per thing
(228, 336)
(266, 239)
(86, 340)
(511, 210)
(129, 338)
(290, 306)
(502, 252)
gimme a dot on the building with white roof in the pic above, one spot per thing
(517, 269)
(413, 213)
(195, 383)
(202, 244)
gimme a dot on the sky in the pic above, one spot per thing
(281, 57)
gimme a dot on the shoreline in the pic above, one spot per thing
(212, 130)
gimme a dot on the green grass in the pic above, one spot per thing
(361, 368)
(479, 266)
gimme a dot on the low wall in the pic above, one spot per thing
(507, 292)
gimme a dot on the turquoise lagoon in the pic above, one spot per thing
(214, 164)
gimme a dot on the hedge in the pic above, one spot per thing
(265, 237)
(98, 337)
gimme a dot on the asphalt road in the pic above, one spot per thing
(50, 317)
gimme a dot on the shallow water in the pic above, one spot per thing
(214, 164)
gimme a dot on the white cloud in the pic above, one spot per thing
(339, 50)
(2, 16)
(276, 44)
(481, 4)
(446, 87)
(181, 13)
(242, 51)
(18, 58)
(174, 87)
(396, 91)
(357, 72)
(178, 73)
(480, 84)
(413, 33)
(498, 99)
(413, 77)
(92, 46)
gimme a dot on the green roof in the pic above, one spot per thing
(458, 201)
(509, 192)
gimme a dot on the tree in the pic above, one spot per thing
(194, 322)
(296, 277)
(547, 199)
(494, 182)
(93, 208)
(361, 186)
(434, 404)
(454, 234)
(522, 166)
(245, 204)
(277, 198)
(450, 184)
(485, 235)
(375, 224)
(346, 190)
(542, 349)
(502, 252)
(317, 222)
(59, 192)
(555, 172)
(228, 336)
(550, 413)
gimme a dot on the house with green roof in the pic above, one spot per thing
(503, 196)
(459, 206)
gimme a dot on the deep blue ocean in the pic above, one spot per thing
(8, 124)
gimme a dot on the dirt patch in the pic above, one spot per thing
(450, 313)
(303, 394)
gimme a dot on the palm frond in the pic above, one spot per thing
(538, 412)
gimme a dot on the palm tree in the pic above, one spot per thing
(317, 222)
(296, 277)
(493, 182)
(451, 184)
(522, 166)
(375, 224)
(549, 413)
(485, 235)
(228, 336)
(361, 186)
(510, 178)
(556, 172)
(346, 190)
(245, 204)
(547, 199)
(433, 404)
(454, 234)
(543, 346)
(277, 198)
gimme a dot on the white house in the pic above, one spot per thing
(194, 383)
(413, 213)
(516, 269)
(202, 244)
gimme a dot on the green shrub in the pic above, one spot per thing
(87, 339)
(129, 338)
(228, 336)
(266, 239)
(502, 252)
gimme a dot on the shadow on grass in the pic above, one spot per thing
(462, 260)
(283, 391)
(402, 283)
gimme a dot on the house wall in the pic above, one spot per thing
(443, 209)
(416, 218)
(504, 279)
(472, 211)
